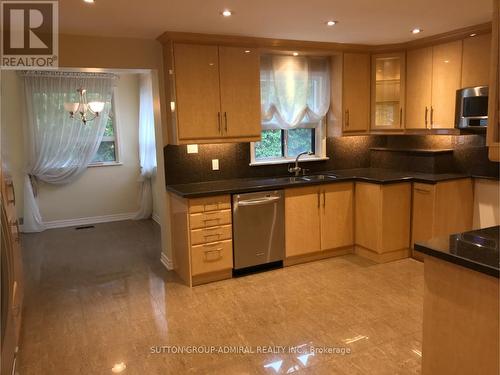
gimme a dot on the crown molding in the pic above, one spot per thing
(310, 47)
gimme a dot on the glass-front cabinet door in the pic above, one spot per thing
(388, 91)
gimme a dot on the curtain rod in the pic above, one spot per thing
(50, 73)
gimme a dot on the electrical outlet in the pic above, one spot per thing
(192, 149)
(215, 164)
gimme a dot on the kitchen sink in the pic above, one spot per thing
(318, 177)
(309, 178)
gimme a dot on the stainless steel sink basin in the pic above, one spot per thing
(318, 177)
(310, 178)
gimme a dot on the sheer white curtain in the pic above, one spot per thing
(294, 89)
(147, 146)
(58, 149)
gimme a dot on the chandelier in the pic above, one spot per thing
(83, 110)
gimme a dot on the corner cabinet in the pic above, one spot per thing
(441, 209)
(356, 92)
(214, 93)
(318, 220)
(382, 220)
(388, 91)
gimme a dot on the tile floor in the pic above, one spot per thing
(97, 297)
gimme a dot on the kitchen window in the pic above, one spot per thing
(295, 97)
(107, 153)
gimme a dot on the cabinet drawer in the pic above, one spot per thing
(211, 257)
(205, 235)
(209, 219)
(221, 202)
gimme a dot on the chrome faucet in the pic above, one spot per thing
(297, 169)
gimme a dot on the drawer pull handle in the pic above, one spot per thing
(210, 258)
(423, 191)
(212, 235)
(16, 224)
(209, 207)
(216, 220)
(10, 184)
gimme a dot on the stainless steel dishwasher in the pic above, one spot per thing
(258, 229)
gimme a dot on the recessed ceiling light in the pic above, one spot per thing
(416, 30)
(247, 51)
(295, 53)
(331, 23)
(118, 368)
(226, 13)
(89, 1)
(473, 34)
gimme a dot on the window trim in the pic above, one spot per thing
(319, 147)
(116, 139)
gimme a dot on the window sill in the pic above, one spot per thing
(287, 161)
(105, 164)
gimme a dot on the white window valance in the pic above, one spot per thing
(294, 90)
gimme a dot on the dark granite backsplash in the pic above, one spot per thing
(469, 155)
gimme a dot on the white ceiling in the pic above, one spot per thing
(361, 21)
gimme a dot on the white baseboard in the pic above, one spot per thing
(169, 265)
(88, 220)
(156, 218)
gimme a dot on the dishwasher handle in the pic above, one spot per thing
(258, 202)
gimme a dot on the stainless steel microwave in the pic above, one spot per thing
(471, 110)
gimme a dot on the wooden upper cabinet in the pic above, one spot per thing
(337, 223)
(240, 92)
(493, 131)
(302, 221)
(214, 93)
(197, 91)
(356, 92)
(446, 80)
(418, 88)
(388, 91)
(476, 61)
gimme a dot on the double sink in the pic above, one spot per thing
(308, 178)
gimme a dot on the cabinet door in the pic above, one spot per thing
(337, 216)
(302, 221)
(367, 216)
(388, 91)
(476, 61)
(446, 77)
(418, 88)
(454, 207)
(356, 92)
(196, 70)
(423, 212)
(240, 92)
(396, 216)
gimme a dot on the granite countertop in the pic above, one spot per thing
(372, 175)
(476, 250)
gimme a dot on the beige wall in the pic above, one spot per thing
(106, 190)
(100, 191)
(486, 203)
(114, 53)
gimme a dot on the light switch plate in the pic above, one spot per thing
(215, 164)
(192, 149)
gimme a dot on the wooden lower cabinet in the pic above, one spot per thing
(382, 221)
(441, 209)
(337, 216)
(302, 221)
(202, 238)
(318, 219)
